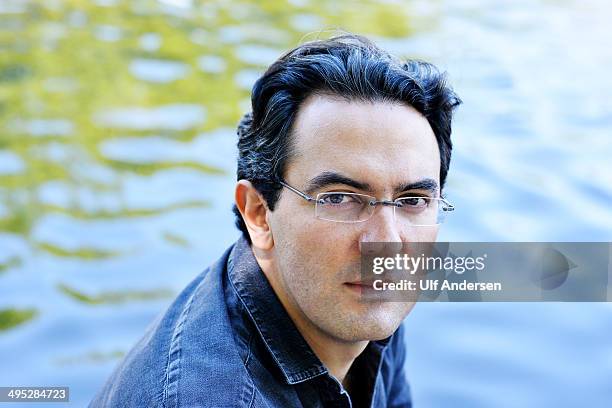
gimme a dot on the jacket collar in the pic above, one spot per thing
(288, 348)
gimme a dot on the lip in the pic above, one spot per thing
(360, 286)
(368, 284)
(360, 283)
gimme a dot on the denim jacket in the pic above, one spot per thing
(227, 341)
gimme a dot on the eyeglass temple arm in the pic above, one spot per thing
(296, 191)
(449, 206)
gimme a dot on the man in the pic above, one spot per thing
(279, 320)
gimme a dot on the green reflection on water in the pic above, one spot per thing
(82, 252)
(12, 262)
(93, 357)
(10, 318)
(78, 213)
(115, 297)
(175, 239)
(150, 168)
(65, 63)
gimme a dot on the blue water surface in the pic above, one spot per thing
(115, 194)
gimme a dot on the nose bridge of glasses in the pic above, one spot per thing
(373, 203)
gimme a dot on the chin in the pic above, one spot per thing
(379, 334)
(384, 320)
(367, 333)
(371, 326)
(380, 330)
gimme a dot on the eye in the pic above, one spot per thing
(414, 202)
(339, 199)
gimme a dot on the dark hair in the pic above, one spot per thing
(349, 66)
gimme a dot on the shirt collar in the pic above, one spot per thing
(288, 348)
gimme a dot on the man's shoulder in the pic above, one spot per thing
(187, 357)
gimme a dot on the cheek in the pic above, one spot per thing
(297, 226)
(313, 254)
(319, 244)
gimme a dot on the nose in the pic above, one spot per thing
(380, 233)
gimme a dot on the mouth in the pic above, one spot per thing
(360, 287)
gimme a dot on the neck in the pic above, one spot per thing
(336, 354)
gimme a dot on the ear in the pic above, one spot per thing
(254, 210)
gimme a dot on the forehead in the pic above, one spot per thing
(380, 143)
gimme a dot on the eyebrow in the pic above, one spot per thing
(426, 184)
(330, 177)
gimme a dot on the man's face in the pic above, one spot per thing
(380, 145)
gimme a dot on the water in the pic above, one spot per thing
(117, 161)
